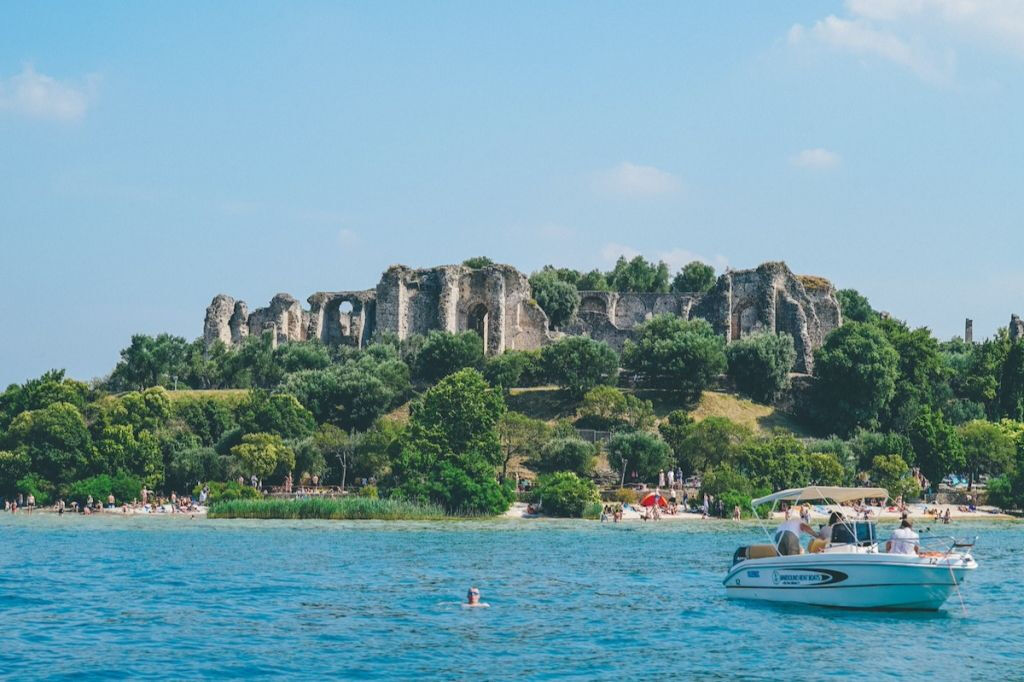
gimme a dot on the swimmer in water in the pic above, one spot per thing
(473, 599)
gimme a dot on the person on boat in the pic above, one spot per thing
(787, 536)
(904, 540)
(825, 533)
(473, 599)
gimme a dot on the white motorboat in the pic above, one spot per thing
(851, 571)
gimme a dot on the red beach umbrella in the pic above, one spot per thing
(654, 498)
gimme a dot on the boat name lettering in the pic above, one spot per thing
(807, 576)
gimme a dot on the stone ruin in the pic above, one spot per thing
(497, 303)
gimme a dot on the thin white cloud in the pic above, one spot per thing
(863, 38)
(677, 258)
(634, 180)
(348, 238)
(610, 252)
(674, 258)
(36, 95)
(817, 157)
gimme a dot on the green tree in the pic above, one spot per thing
(760, 364)
(189, 467)
(857, 370)
(855, 307)
(824, 468)
(451, 449)
(207, 417)
(579, 363)
(260, 454)
(606, 407)
(893, 474)
(987, 449)
(778, 461)
(595, 280)
(694, 277)
(1011, 384)
(56, 441)
(151, 361)
(937, 446)
(710, 442)
(278, 413)
(922, 377)
(557, 298)
(513, 368)
(443, 353)
(13, 467)
(35, 394)
(299, 355)
(676, 354)
(354, 394)
(521, 438)
(640, 452)
(674, 430)
(567, 495)
(639, 275)
(866, 445)
(566, 454)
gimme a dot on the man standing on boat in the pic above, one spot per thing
(787, 536)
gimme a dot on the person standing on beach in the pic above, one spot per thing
(31, 503)
(736, 513)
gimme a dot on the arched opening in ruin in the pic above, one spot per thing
(345, 318)
(478, 321)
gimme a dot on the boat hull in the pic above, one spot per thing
(855, 581)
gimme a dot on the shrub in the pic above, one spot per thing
(124, 488)
(759, 365)
(38, 487)
(369, 491)
(566, 494)
(566, 454)
(625, 496)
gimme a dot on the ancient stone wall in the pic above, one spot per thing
(496, 301)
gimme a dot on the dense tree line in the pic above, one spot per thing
(889, 402)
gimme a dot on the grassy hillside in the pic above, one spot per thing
(549, 404)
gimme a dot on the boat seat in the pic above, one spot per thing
(816, 545)
(761, 551)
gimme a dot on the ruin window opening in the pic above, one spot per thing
(478, 321)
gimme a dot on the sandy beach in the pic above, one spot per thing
(818, 513)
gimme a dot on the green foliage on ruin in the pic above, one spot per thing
(694, 277)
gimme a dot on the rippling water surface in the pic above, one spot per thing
(179, 598)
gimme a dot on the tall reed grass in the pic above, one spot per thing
(326, 508)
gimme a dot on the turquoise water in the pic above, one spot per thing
(178, 598)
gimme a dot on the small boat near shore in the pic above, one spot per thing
(853, 570)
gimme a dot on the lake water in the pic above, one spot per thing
(92, 597)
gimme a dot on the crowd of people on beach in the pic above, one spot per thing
(150, 503)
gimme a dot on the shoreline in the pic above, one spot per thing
(518, 513)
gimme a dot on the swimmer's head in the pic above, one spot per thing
(473, 595)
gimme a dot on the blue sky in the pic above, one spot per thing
(155, 154)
